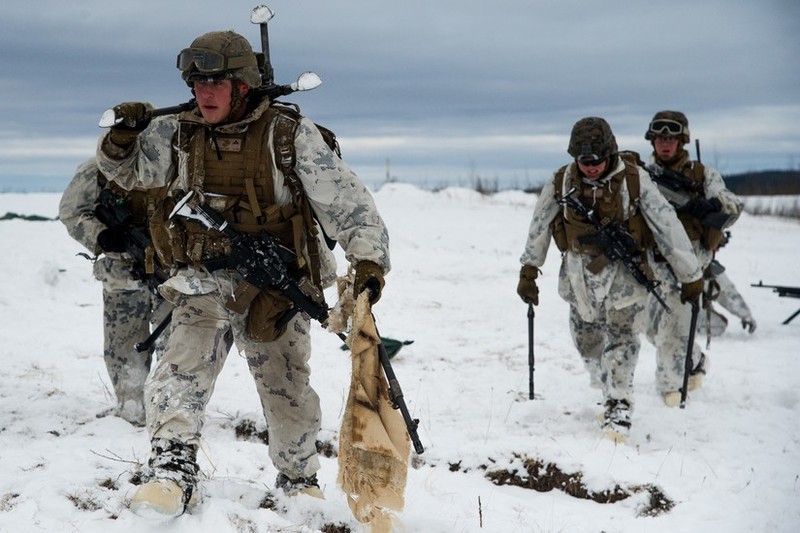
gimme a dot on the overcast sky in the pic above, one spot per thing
(444, 90)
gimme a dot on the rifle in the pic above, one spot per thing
(262, 261)
(112, 211)
(783, 291)
(615, 242)
(679, 190)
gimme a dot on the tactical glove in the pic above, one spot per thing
(700, 208)
(690, 292)
(133, 119)
(110, 240)
(749, 324)
(369, 276)
(527, 288)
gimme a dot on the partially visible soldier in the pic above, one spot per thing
(668, 132)
(603, 295)
(263, 167)
(724, 293)
(129, 306)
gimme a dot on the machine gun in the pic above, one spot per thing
(615, 242)
(679, 190)
(262, 261)
(783, 291)
(115, 214)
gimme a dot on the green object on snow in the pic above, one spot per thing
(392, 346)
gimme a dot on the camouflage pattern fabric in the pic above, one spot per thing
(203, 327)
(670, 332)
(129, 308)
(602, 305)
(203, 331)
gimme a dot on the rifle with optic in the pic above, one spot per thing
(615, 242)
(262, 261)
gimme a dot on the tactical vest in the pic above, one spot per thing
(570, 232)
(695, 171)
(142, 205)
(233, 173)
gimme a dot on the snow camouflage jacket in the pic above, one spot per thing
(613, 285)
(76, 212)
(342, 204)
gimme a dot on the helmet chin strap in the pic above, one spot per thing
(238, 101)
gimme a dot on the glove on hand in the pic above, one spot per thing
(690, 292)
(700, 208)
(369, 276)
(111, 241)
(135, 116)
(749, 324)
(527, 288)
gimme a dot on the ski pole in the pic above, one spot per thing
(688, 365)
(531, 357)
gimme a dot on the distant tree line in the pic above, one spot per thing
(764, 183)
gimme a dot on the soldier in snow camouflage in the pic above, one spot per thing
(668, 132)
(603, 301)
(129, 308)
(225, 152)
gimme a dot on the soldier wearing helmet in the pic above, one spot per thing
(603, 296)
(668, 133)
(264, 168)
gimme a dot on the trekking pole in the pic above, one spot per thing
(531, 357)
(688, 365)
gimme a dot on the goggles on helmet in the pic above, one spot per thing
(665, 126)
(209, 61)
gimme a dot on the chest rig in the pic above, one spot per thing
(233, 172)
(571, 232)
(695, 171)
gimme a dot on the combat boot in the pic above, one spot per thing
(695, 381)
(617, 420)
(169, 485)
(302, 485)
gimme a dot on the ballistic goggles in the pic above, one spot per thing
(210, 62)
(665, 126)
(590, 160)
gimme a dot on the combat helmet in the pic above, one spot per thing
(219, 55)
(668, 124)
(592, 139)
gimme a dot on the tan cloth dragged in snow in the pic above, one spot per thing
(373, 443)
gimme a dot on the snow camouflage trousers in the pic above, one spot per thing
(669, 332)
(129, 312)
(203, 331)
(609, 349)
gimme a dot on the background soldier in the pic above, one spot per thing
(129, 307)
(226, 154)
(668, 132)
(604, 298)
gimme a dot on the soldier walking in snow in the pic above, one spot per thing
(668, 132)
(263, 167)
(129, 306)
(604, 296)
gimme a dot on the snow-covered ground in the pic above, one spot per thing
(729, 462)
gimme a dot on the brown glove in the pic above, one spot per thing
(527, 288)
(690, 292)
(133, 119)
(369, 276)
